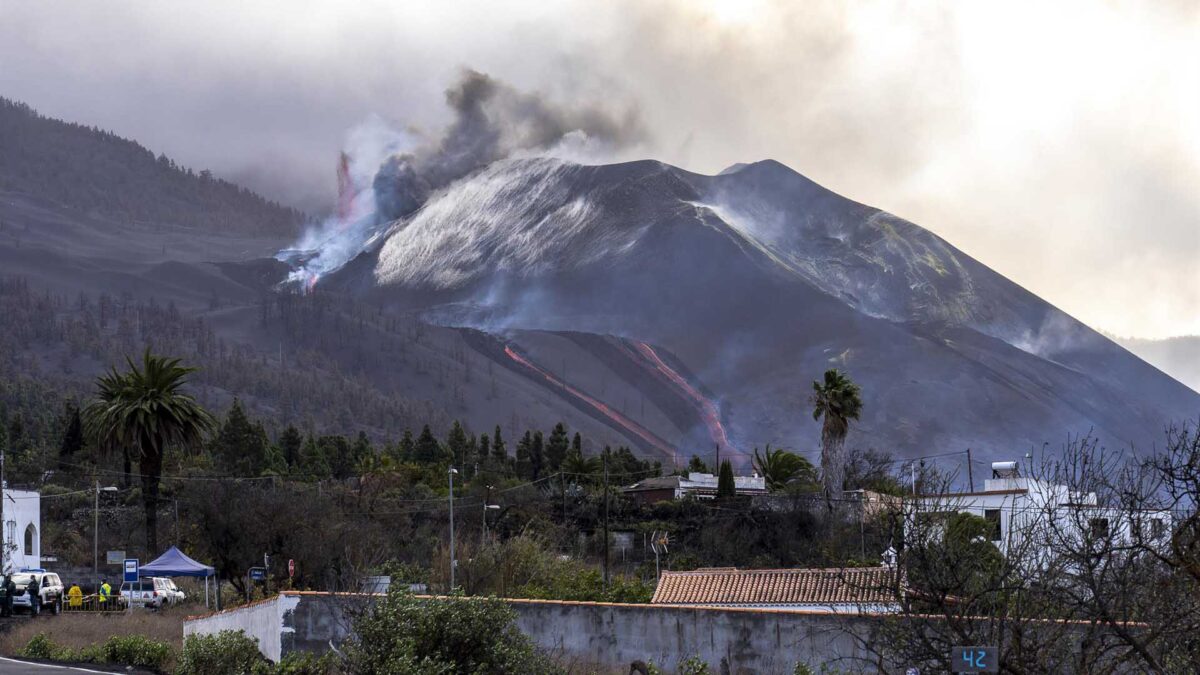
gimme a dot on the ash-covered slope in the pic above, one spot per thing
(757, 280)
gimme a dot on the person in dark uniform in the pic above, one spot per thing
(34, 589)
(5, 597)
(10, 590)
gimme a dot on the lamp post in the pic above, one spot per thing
(486, 507)
(453, 563)
(96, 529)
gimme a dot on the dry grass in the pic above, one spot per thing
(78, 630)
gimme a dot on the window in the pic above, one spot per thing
(30, 540)
(1099, 527)
(993, 518)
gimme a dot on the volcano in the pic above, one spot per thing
(719, 299)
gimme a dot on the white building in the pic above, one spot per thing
(1030, 512)
(22, 529)
(694, 485)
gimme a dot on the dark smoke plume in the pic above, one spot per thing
(493, 121)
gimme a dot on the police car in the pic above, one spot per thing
(50, 591)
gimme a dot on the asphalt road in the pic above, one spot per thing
(14, 667)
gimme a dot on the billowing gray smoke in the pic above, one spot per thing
(491, 121)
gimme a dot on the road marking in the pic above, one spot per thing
(54, 666)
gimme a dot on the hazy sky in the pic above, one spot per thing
(1057, 142)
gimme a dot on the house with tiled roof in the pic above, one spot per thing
(838, 590)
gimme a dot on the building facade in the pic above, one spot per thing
(22, 529)
(694, 485)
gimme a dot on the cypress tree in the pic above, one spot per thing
(427, 449)
(537, 456)
(456, 443)
(726, 488)
(499, 451)
(556, 447)
(408, 448)
(290, 442)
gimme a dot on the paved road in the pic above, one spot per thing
(14, 667)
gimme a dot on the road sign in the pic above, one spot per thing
(115, 557)
(131, 569)
(976, 659)
(258, 574)
(291, 568)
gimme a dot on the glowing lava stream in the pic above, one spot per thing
(635, 428)
(708, 410)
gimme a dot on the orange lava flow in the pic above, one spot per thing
(708, 410)
(628, 424)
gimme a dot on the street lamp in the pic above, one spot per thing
(484, 532)
(96, 529)
(453, 563)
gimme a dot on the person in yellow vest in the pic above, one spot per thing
(105, 593)
(75, 597)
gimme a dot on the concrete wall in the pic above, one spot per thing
(594, 634)
(262, 620)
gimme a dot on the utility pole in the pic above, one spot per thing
(96, 534)
(562, 484)
(3, 525)
(970, 471)
(453, 562)
(606, 577)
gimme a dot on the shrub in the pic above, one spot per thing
(306, 664)
(409, 636)
(226, 653)
(693, 666)
(135, 650)
(40, 646)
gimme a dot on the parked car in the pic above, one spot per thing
(142, 593)
(166, 587)
(50, 591)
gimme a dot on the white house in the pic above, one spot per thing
(1027, 511)
(695, 485)
(22, 529)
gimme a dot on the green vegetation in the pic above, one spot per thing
(780, 467)
(127, 650)
(404, 635)
(144, 411)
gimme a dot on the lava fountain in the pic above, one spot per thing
(621, 420)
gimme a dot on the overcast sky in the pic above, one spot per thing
(1057, 142)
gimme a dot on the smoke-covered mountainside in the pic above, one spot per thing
(96, 171)
(640, 304)
(747, 285)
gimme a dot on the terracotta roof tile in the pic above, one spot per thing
(728, 586)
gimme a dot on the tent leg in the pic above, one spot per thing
(205, 592)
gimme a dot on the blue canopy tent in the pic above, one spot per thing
(174, 563)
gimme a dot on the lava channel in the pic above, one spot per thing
(624, 422)
(707, 409)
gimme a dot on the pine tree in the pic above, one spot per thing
(339, 455)
(556, 447)
(726, 488)
(362, 452)
(313, 463)
(537, 456)
(577, 444)
(290, 442)
(499, 451)
(407, 448)
(456, 443)
(524, 460)
(427, 450)
(72, 440)
(484, 451)
(697, 465)
(240, 448)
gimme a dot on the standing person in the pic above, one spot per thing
(34, 589)
(5, 597)
(10, 590)
(105, 593)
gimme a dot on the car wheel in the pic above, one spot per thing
(56, 608)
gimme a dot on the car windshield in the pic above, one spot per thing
(20, 579)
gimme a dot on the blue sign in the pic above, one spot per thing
(974, 660)
(258, 574)
(131, 569)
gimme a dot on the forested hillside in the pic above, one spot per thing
(97, 171)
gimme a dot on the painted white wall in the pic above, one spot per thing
(23, 528)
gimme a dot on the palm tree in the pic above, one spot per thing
(835, 402)
(779, 467)
(144, 411)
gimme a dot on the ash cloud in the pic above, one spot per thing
(491, 121)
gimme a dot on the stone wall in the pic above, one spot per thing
(596, 634)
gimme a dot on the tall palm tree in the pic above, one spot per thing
(835, 402)
(144, 411)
